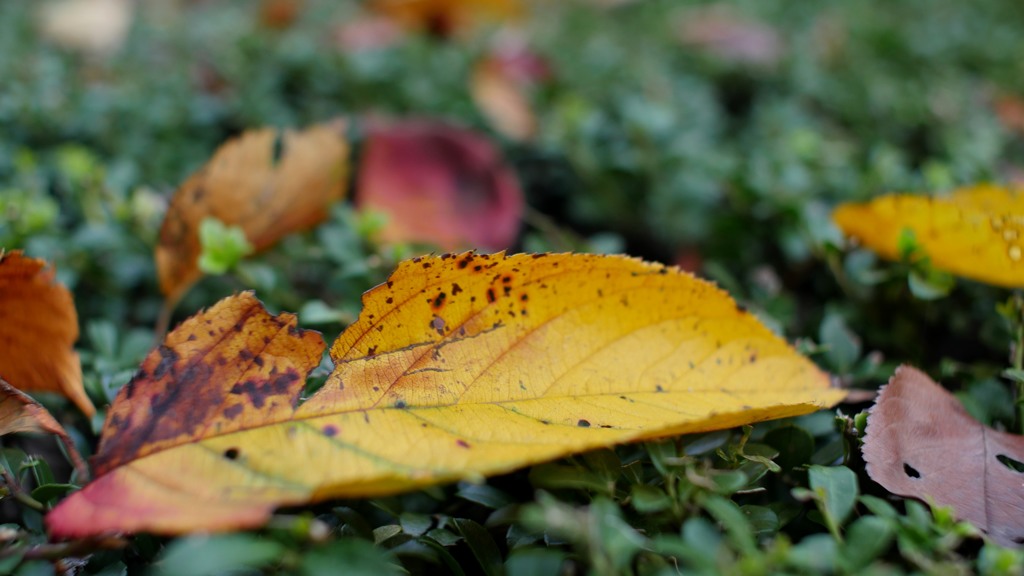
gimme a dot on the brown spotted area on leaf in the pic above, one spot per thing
(230, 368)
(38, 330)
(922, 443)
(459, 366)
(268, 182)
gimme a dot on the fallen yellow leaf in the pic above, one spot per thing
(974, 232)
(459, 366)
(268, 182)
(38, 331)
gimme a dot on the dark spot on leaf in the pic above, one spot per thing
(191, 337)
(400, 404)
(278, 151)
(390, 283)
(462, 443)
(583, 423)
(456, 289)
(376, 388)
(524, 297)
(438, 324)
(245, 354)
(390, 300)
(371, 351)
(465, 261)
(910, 471)
(231, 453)
(506, 279)
(258, 361)
(439, 301)
(477, 268)
(658, 388)
(741, 308)
(330, 430)
(508, 290)
(426, 265)
(168, 358)
(232, 412)
(490, 295)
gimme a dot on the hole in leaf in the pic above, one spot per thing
(1015, 465)
(278, 150)
(231, 453)
(911, 471)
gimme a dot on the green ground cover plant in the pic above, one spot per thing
(650, 140)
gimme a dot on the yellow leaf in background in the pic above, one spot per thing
(459, 366)
(269, 183)
(975, 232)
(38, 330)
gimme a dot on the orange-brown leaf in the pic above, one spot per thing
(38, 330)
(459, 366)
(268, 182)
(20, 413)
(448, 17)
(922, 443)
(976, 232)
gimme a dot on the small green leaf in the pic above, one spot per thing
(762, 520)
(930, 284)
(867, 538)
(223, 247)
(836, 491)
(481, 544)
(734, 521)
(484, 495)
(415, 524)
(357, 556)
(815, 554)
(649, 499)
(384, 533)
(842, 346)
(878, 507)
(443, 536)
(535, 562)
(217, 554)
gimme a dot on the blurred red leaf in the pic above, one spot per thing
(439, 184)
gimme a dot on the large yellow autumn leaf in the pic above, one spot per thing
(459, 366)
(975, 232)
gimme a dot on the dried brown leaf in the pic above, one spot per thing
(922, 443)
(268, 182)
